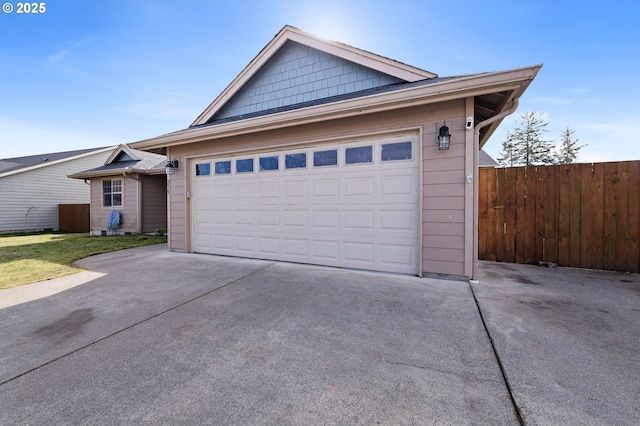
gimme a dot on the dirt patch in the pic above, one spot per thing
(522, 279)
(65, 328)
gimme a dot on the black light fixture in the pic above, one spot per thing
(444, 137)
(171, 167)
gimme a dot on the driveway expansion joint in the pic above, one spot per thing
(516, 408)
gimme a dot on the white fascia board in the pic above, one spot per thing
(51, 163)
(118, 150)
(517, 80)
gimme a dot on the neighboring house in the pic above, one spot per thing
(485, 160)
(134, 184)
(32, 187)
(319, 152)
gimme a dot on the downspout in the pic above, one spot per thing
(476, 148)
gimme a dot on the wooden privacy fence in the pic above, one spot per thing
(578, 215)
(74, 217)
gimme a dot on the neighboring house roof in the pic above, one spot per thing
(125, 159)
(485, 160)
(243, 107)
(23, 164)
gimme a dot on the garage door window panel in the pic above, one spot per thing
(325, 158)
(203, 169)
(361, 154)
(223, 167)
(295, 161)
(396, 151)
(244, 165)
(268, 163)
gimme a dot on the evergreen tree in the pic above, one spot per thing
(568, 152)
(525, 145)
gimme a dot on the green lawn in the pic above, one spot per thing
(26, 259)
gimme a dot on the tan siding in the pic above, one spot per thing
(448, 255)
(43, 188)
(441, 267)
(154, 202)
(445, 241)
(128, 210)
(443, 175)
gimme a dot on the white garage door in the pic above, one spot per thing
(350, 205)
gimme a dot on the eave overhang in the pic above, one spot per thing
(514, 82)
(115, 172)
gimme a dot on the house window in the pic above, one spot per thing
(244, 166)
(396, 151)
(223, 167)
(295, 161)
(361, 154)
(325, 158)
(268, 163)
(203, 169)
(112, 192)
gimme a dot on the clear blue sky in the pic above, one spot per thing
(89, 73)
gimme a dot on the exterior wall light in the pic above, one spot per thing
(444, 137)
(171, 167)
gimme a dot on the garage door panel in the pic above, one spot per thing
(245, 217)
(396, 255)
(222, 192)
(245, 244)
(223, 217)
(359, 186)
(398, 219)
(397, 186)
(361, 220)
(269, 218)
(296, 218)
(325, 250)
(223, 242)
(269, 190)
(245, 190)
(269, 245)
(359, 252)
(296, 247)
(326, 188)
(326, 219)
(296, 189)
(358, 215)
(203, 240)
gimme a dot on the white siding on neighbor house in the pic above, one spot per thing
(41, 190)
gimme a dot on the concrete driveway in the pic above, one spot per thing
(155, 337)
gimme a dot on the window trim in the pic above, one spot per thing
(112, 193)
